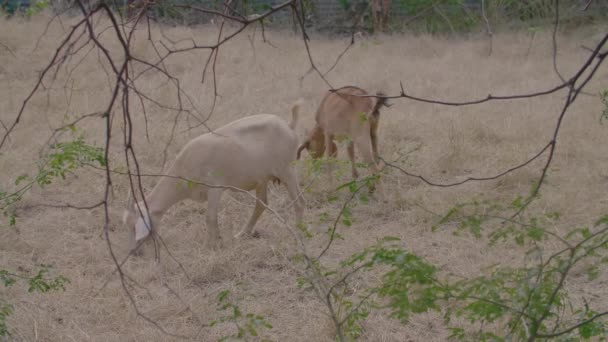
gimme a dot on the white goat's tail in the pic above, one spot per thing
(295, 113)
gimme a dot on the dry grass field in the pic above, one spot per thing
(443, 143)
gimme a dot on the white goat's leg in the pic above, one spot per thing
(290, 179)
(261, 192)
(213, 205)
(351, 156)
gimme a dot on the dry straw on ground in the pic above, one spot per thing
(452, 143)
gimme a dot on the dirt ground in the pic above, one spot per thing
(443, 143)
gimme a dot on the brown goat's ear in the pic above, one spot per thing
(303, 146)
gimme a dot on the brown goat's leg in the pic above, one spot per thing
(261, 192)
(364, 145)
(213, 205)
(351, 156)
(331, 151)
(374, 136)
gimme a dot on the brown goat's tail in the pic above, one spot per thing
(380, 101)
(295, 113)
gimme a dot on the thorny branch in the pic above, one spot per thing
(575, 86)
(8, 49)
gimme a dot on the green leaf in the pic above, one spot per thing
(304, 229)
(7, 279)
(362, 116)
(591, 329)
(517, 203)
(345, 4)
(364, 198)
(352, 186)
(592, 272)
(332, 198)
(389, 239)
(5, 311)
(535, 233)
(222, 295)
(452, 212)
(21, 178)
(519, 239)
(457, 333)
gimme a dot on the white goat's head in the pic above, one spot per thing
(136, 217)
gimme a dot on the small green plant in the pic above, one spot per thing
(406, 286)
(28, 8)
(36, 7)
(439, 16)
(63, 158)
(247, 324)
(5, 311)
(41, 282)
(528, 302)
(531, 299)
(604, 99)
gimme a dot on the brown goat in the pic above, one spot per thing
(344, 113)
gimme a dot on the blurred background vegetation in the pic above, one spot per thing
(342, 16)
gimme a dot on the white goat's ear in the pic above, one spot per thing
(142, 228)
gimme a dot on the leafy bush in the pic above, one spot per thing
(64, 158)
(26, 7)
(38, 283)
(246, 324)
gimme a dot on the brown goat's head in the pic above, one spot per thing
(315, 144)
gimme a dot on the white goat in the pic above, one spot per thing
(244, 154)
(344, 114)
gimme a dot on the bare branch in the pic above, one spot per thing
(53, 61)
(7, 49)
(470, 179)
(574, 327)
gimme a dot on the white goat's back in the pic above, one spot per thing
(242, 153)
